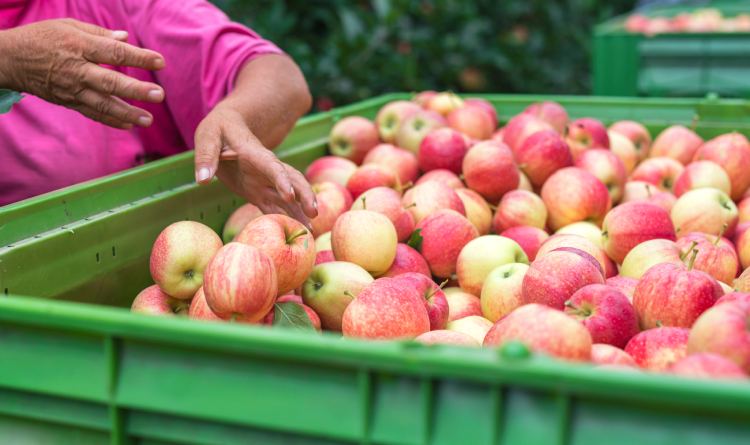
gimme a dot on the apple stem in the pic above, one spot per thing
(405, 186)
(492, 207)
(296, 235)
(413, 204)
(658, 324)
(461, 176)
(523, 166)
(694, 125)
(569, 304)
(181, 307)
(723, 228)
(347, 293)
(695, 254)
(436, 290)
(364, 203)
(648, 190)
(684, 255)
(676, 230)
(234, 318)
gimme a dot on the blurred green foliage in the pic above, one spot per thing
(352, 50)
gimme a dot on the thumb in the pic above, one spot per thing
(99, 31)
(207, 149)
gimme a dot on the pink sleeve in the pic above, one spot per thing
(204, 52)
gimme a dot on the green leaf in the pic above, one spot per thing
(292, 315)
(7, 99)
(306, 241)
(415, 242)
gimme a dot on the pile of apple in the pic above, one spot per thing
(705, 20)
(437, 227)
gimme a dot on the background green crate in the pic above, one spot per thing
(83, 374)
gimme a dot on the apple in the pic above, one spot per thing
(656, 349)
(610, 267)
(661, 172)
(199, 309)
(529, 238)
(388, 202)
(240, 283)
(623, 148)
(352, 137)
(542, 154)
(407, 260)
(632, 223)
(498, 134)
(702, 174)
(365, 238)
(502, 291)
(446, 337)
(649, 253)
(477, 210)
(153, 301)
(519, 208)
(323, 242)
(481, 255)
(391, 115)
(742, 283)
(331, 287)
(422, 97)
(524, 183)
(461, 304)
(741, 241)
(434, 300)
(706, 365)
(180, 256)
(287, 242)
(643, 191)
(544, 330)
(387, 309)
(705, 210)
(323, 257)
(489, 169)
(555, 242)
(474, 326)
(626, 285)
(551, 112)
(602, 354)
(483, 104)
(443, 148)
(573, 194)
(330, 168)
(606, 312)
(521, 127)
(553, 278)
(445, 233)
(402, 162)
(585, 229)
(743, 207)
(412, 130)
(370, 176)
(430, 197)
(635, 133)
(239, 219)
(716, 255)
(606, 167)
(332, 201)
(584, 134)
(730, 152)
(473, 121)
(725, 330)
(442, 175)
(444, 103)
(676, 142)
(314, 318)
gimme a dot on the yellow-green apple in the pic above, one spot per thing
(676, 142)
(411, 131)
(551, 112)
(701, 174)
(370, 176)
(240, 283)
(524, 183)
(444, 233)
(323, 242)
(632, 223)
(521, 127)
(624, 149)
(199, 309)
(585, 229)
(586, 133)
(489, 169)
(153, 301)
(485, 105)
(331, 287)
(387, 309)
(607, 167)
(402, 162)
(502, 291)
(529, 238)
(724, 329)
(743, 207)
(365, 238)
(705, 210)
(553, 278)
(288, 243)
(544, 330)
(577, 242)
(741, 241)
(474, 326)
(434, 300)
(519, 208)
(461, 304)
(314, 318)
(429, 197)
(606, 312)
(473, 121)
(573, 194)
(388, 202)
(407, 260)
(444, 102)
(733, 296)
(626, 285)
(650, 253)
(726, 288)
(542, 154)
(707, 365)
(602, 354)
(352, 137)
(332, 201)
(661, 172)
(742, 283)
(656, 349)
(180, 255)
(391, 115)
(441, 175)
(239, 219)
(481, 255)
(636, 133)
(730, 152)
(326, 256)
(446, 337)
(330, 168)
(477, 210)
(672, 296)
(716, 255)
(443, 148)
(422, 97)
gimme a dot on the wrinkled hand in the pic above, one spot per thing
(225, 147)
(58, 61)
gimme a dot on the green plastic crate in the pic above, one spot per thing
(672, 65)
(86, 374)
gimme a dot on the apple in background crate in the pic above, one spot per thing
(352, 137)
(676, 142)
(390, 117)
(330, 168)
(238, 220)
(636, 133)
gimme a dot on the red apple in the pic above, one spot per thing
(474, 326)
(573, 194)
(483, 104)
(407, 260)
(392, 115)
(730, 152)
(331, 287)
(716, 255)
(153, 301)
(502, 291)
(661, 172)
(434, 300)
(744, 209)
(489, 170)
(607, 167)
(656, 349)
(481, 255)
(430, 197)
(705, 210)
(520, 128)
(606, 312)
(702, 174)
(733, 296)
(289, 296)
(610, 267)
(553, 278)
(551, 112)
(498, 134)
(632, 223)
(676, 142)
(239, 219)
(461, 305)
(446, 337)
(519, 208)
(402, 162)
(365, 238)
(707, 366)
(602, 354)
(199, 309)
(330, 168)
(473, 121)
(586, 133)
(725, 330)
(445, 233)
(421, 98)
(529, 238)
(443, 148)
(352, 137)
(742, 283)
(332, 201)
(441, 175)
(326, 256)
(626, 285)
(555, 242)
(524, 183)
(411, 131)
(370, 176)
(741, 241)
(314, 319)
(637, 134)
(388, 202)
(624, 149)
(541, 155)
(477, 210)
(180, 256)
(444, 103)
(643, 191)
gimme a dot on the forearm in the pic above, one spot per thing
(271, 94)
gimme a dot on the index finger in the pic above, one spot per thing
(116, 53)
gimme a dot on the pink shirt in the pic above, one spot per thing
(44, 147)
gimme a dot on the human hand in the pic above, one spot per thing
(225, 147)
(58, 61)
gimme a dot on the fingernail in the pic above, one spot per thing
(120, 35)
(292, 190)
(158, 64)
(144, 121)
(204, 174)
(315, 204)
(155, 95)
